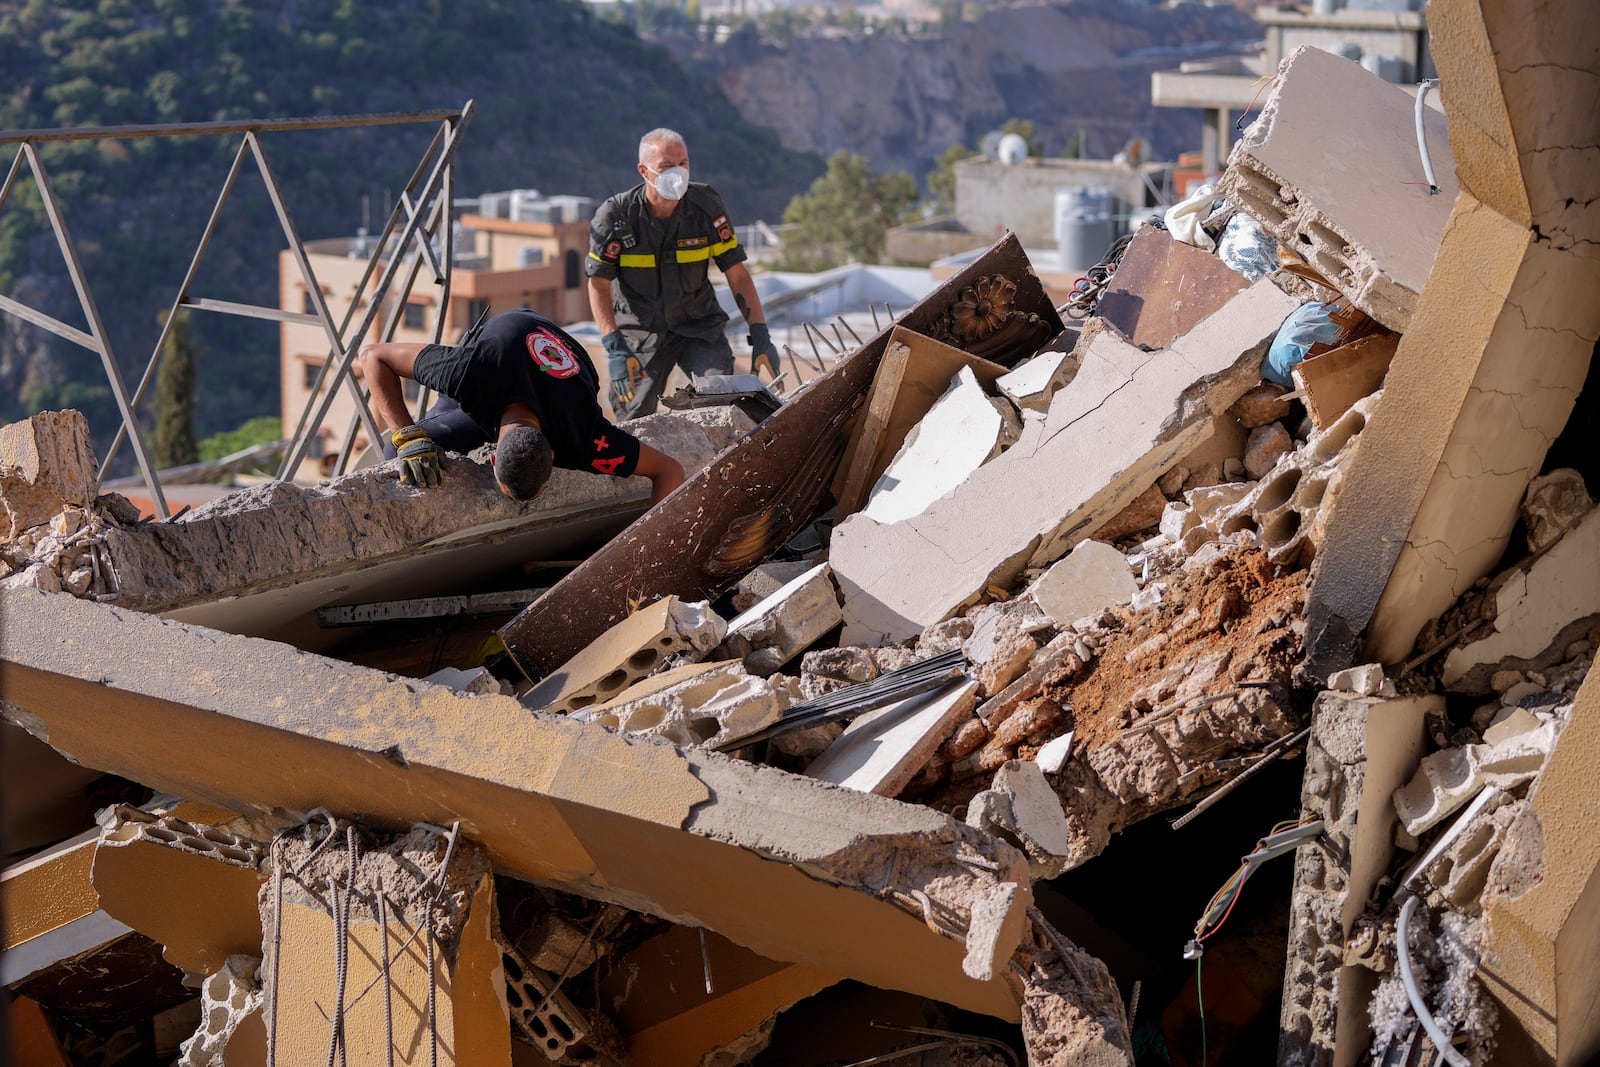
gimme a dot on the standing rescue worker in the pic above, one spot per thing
(650, 254)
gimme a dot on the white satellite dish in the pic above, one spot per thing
(989, 147)
(1013, 149)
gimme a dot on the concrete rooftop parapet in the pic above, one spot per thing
(1346, 206)
(800, 864)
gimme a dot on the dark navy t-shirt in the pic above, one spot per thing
(523, 357)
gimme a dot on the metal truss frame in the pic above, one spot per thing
(421, 213)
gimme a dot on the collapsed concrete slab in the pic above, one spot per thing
(260, 561)
(1090, 578)
(1431, 499)
(759, 494)
(1032, 385)
(1536, 611)
(551, 800)
(960, 433)
(1373, 238)
(1126, 417)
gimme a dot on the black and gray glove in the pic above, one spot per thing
(763, 353)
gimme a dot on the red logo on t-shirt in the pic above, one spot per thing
(551, 354)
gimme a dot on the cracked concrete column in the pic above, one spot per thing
(1498, 347)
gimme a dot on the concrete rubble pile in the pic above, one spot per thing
(904, 669)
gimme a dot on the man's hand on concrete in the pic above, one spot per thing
(763, 353)
(418, 456)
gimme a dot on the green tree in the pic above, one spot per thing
(175, 443)
(262, 430)
(846, 215)
(1078, 143)
(942, 178)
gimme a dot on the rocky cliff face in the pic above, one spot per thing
(890, 100)
(902, 101)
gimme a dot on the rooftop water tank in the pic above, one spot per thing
(1086, 224)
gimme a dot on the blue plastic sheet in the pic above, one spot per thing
(1311, 323)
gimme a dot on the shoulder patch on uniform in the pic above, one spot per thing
(612, 251)
(719, 222)
(551, 354)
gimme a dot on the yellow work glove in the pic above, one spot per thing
(418, 456)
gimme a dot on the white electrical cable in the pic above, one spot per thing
(1422, 136)
(1413, 994)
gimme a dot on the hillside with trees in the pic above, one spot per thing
(560, 100)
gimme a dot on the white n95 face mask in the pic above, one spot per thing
(672, 183)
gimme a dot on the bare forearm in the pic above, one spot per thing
(605, 316)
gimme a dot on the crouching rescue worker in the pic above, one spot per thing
(522, 383)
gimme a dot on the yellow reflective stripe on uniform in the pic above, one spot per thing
(693, 255)
(596, 257)
(636, 260)
(724, 246)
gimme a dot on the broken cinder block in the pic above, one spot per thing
(711, 708)
(1448, 779)
(628, 651)
(1092, 577)
(1373, 239)
(51, 451)
(786, 623)
(231, 1027)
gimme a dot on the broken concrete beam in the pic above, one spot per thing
(1125, 418)
(1538, 609)
(1431, 500)
(551, 799)
(786, 623)
(232, 1032)
(1362, 749)
(915, 373)
(630, 650)
(1373, 239)
(262, 560)
(996, 925)
(884, 749)
(1163, 287)
(1332, 382)
(766, 488)
(416, 914)
(709, 709)
(192, 888)
(1074, 1015)
(51, 452)
(1092, 577)
(1022, 807)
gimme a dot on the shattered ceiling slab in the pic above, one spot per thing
(726, 519)
(1125, 418)
(552, 800)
